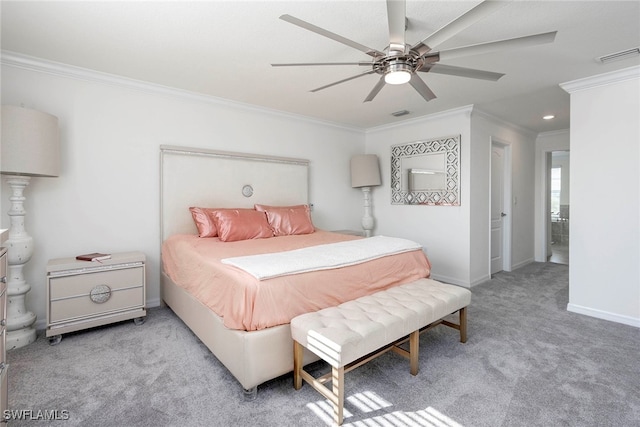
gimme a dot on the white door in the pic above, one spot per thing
(497, 208)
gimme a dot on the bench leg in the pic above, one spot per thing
(336, 395)
(414, 345)
(463, 324)
(337, 383)
(298, 352)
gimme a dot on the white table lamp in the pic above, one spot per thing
(30, 148)
(365, 173)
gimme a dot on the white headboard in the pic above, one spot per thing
(208, 178)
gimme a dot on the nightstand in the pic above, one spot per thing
(85, 294)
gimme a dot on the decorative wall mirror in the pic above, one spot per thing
(426, 172)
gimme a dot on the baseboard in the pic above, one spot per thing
(153, 302)
(449, 280)
(40, 325)
(605, 315)
(464, 284)
(522, 264)
(480, 280)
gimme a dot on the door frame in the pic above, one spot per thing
(547, 163)
(545, 145)
(507, 195)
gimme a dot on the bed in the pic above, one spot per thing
(237, 329)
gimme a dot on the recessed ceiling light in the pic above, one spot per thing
(548, 117)
(400, 113)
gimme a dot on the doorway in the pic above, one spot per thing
(559, 212)
(500, 228)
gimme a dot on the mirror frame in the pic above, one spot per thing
(448, 196)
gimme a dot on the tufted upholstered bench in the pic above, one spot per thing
(355, 332)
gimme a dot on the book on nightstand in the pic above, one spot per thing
(96, 256)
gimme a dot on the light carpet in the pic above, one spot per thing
(528, 362)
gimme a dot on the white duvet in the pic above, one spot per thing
(321, 257)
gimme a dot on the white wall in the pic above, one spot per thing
(456, 238)
(107, 196)
(604, 272)
(442, 230)
(485, 130)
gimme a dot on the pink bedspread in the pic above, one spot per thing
(249, 304)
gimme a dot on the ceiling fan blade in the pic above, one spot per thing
(396, 14)
(303, 64)
(307, 26)
(460, 71)
(375, 90)
(477, 49)
(343, 80)
(457, 25)
(422, 88)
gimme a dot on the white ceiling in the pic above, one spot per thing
(225, 48)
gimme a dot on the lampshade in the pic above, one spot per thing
(30, 142)
(365, 171)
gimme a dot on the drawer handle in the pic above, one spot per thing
(100, 294)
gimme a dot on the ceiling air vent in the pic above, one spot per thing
(624, 54)
(400, 113)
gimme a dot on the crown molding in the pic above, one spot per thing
(422, 119)
(501, 122)
(602, 79)
(552, 133)
(30, 63)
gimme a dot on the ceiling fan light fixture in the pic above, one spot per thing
(397, 73)
(397, 77)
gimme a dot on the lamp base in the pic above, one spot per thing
(21, 337)
(367, 220)
(19, 251)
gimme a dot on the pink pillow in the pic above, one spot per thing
(241, 224)
(287, 220)
(204, 222)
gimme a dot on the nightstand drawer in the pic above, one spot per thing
(3, 306)
(4, 389)
(66, 309)
(97, 293)
(3, 343)
(82, 284)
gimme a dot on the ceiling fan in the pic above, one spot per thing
(399, 62)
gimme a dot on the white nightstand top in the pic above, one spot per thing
(63, 264)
